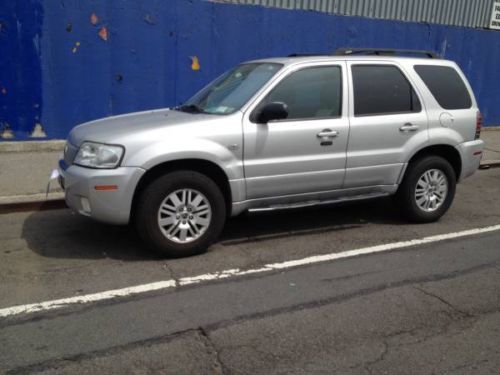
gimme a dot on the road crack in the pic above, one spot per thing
(212, 349)
(171, 273)
(447, 303)
(368, 365)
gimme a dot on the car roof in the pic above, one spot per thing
(291, 60)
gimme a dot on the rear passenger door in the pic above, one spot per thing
(387, 119)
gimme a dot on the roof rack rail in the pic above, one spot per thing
(385, 52)
(305, 54)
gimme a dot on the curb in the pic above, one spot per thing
(32, 206)
(32, 202)
(487, 164)
(490, 128)
(30, 198)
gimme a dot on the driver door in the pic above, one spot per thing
(305, 152)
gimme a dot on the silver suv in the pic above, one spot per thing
(280, 133)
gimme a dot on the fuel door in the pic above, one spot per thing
(446, 119)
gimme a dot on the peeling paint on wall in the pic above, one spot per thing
(195, 63)
(94, 19)
(6, 131)
(38, 132)
(103, 33)
(76, 46)
(150, 19)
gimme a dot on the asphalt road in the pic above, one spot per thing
(430, 308)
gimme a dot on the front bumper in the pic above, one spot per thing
(471, 154)
(110, 206)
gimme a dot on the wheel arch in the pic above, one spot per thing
(447, 152)
(205, 167)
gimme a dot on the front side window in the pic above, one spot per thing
(382, 89)
(310, 93)
(232, 90)
(445, 85)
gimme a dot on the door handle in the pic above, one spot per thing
(327, 133)
(409, 127)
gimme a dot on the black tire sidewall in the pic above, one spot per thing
(152, 197)
(406, 193)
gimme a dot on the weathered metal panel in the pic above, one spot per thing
(468, 13)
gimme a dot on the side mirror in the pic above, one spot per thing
(272, 111)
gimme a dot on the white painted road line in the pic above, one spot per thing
(87, 298)
(161, 285)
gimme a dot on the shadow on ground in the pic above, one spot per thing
(62, 233)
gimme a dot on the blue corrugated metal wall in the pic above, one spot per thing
(20, 65)
(58, 71)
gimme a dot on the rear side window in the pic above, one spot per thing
(382, 89)
(445, 85)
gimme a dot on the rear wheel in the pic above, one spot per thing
(427, 190)
(180, 214)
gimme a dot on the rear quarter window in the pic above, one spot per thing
(446, 86)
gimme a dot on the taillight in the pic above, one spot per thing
(479, 124)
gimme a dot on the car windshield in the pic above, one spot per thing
(232, 90)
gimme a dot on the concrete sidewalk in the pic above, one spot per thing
(492, 149)
(25, 167)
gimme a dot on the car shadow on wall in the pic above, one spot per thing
(61, 233)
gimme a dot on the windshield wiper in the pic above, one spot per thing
(189, 108)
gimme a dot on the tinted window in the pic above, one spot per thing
(382, 89)
(445, 85)
(310, 93)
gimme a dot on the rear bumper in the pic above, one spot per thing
(471, 154)
(110, 206)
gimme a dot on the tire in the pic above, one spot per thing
(423, 202)
(180, 214)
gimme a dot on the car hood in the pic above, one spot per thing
(115, 128)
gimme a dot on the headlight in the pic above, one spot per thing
(98, 155)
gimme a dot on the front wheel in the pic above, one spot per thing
(180, 214)
(427, 190)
